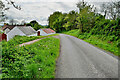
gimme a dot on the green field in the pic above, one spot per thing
(37, 60)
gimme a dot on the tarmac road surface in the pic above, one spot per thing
(79, 59)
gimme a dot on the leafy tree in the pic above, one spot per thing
(58, 23)
(37, 26)
(33, 23)
(28, 24)
(52, 18)
(70, 20)
(86, 17)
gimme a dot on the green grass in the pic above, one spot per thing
(37, 60)
(100, 41)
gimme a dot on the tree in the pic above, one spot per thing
(70, 20)
(104, 9)
(13, 22)
(63, 21)
(81, 5)
(33, 23)
(28, 24)
(3, 8)
(111, 10)
(37, 26)
(58, 23)
(2, 18)
(53, 19)
(86, 17)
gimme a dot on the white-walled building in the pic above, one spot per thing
(46, 31)
(7, 28)
(22, 31)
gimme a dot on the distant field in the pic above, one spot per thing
(37, 60)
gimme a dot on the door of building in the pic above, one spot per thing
(38, 33)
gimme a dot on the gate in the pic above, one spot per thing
(38, 33)
(3, 37)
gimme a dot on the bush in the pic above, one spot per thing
(31, 61)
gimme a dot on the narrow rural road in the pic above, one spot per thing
(79, 59)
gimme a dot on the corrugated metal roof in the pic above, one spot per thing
(27, 30)
(11, 27)
(48, 30)
(7, 26)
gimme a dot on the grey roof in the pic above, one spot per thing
(28, 30)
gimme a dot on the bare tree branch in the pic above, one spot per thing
(3, 8)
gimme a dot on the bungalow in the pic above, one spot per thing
(22, 31)
(46, 31)
(7, 28)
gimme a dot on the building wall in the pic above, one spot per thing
(50, 33)
(33, 34)
(15, 31)
(42, 33)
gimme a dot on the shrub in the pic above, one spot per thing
(31, 61)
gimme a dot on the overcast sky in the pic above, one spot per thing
(39, 10)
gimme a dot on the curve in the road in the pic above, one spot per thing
(78, 59)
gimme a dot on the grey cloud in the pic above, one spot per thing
(40, 10)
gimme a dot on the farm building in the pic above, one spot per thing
(22, 31)
(46, 31)
(7, 28)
